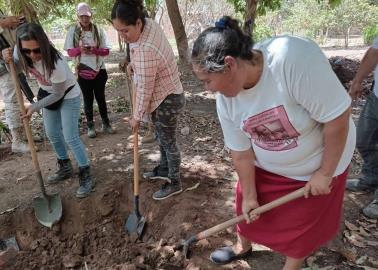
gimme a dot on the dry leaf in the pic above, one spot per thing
(364, 233)
(362, 260)
(355, 240)
(368, 268)
(351, 226)
(372, 243)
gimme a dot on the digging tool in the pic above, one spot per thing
(135, 223)
(47, 208)
(220, 227)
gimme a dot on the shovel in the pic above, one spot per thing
(135, 222)
(220, 227)
(47, 208)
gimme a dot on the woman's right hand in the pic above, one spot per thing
(7, 55)
(248, 205)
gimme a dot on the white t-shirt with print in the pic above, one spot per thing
(282, 116)
(87, 38)
(375, 46)
(61, 73)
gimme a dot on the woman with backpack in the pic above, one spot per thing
(87, 43)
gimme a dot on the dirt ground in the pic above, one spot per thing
(91, 232)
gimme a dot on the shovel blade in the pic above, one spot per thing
(48, 210)
(135, 224)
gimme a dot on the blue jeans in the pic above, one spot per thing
(367, 141)
(62, 127)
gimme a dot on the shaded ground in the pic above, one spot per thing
(91, 235)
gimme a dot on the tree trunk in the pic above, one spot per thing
(178, 29)
(249, 16)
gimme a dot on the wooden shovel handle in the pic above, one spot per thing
(262, 209)
(136, 148)
(27, 128)
(25, 121)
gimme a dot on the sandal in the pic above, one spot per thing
(226, 255)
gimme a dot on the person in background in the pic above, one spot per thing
(158, 88)
(87, 43)
(8, 25)
(286, 118)
(58, 97)
(367, 130)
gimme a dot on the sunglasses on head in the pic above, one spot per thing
(29, 51)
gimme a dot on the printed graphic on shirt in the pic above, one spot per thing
(39, 77)
(271, 130)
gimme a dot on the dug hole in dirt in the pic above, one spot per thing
(91, 233)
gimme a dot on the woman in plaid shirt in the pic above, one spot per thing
(158, 88)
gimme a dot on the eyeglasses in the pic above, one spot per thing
(29, 51)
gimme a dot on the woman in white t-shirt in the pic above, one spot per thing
(58, 97)
(286, 118)
(87, 43)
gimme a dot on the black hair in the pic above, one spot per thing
(50, 55)
(129, 11)
(215, 43)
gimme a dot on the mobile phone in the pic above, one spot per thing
(86, 46)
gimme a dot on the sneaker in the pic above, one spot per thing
(371, 211)
(167, 190)
(357, 185)
(157, 173)
(107, 128)
(91, 132)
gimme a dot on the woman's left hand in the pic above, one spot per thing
(28, 112)
(319, 184)
(134, 124)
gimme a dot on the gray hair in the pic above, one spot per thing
(215, 43)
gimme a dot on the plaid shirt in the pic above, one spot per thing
(155, 70)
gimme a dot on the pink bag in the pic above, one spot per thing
(86, 72)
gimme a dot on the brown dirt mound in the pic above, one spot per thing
(346, 70)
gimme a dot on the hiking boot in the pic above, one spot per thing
(371, 211)
(358, 185)
(107, 128)
(157, 173)
(167, 190)
(64, 172)
(91, 130)
(86, 182)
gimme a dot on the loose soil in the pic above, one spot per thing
(91, 233)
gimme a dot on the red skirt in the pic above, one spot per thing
(299, 227)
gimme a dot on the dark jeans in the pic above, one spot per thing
(95, 89)
(165, 119)
(367, 141)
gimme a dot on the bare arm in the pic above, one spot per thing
(245, 168)
(335, 134)
(368, 63)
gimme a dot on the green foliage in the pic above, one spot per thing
(370, 33)
(262, 5)
(261, 32)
